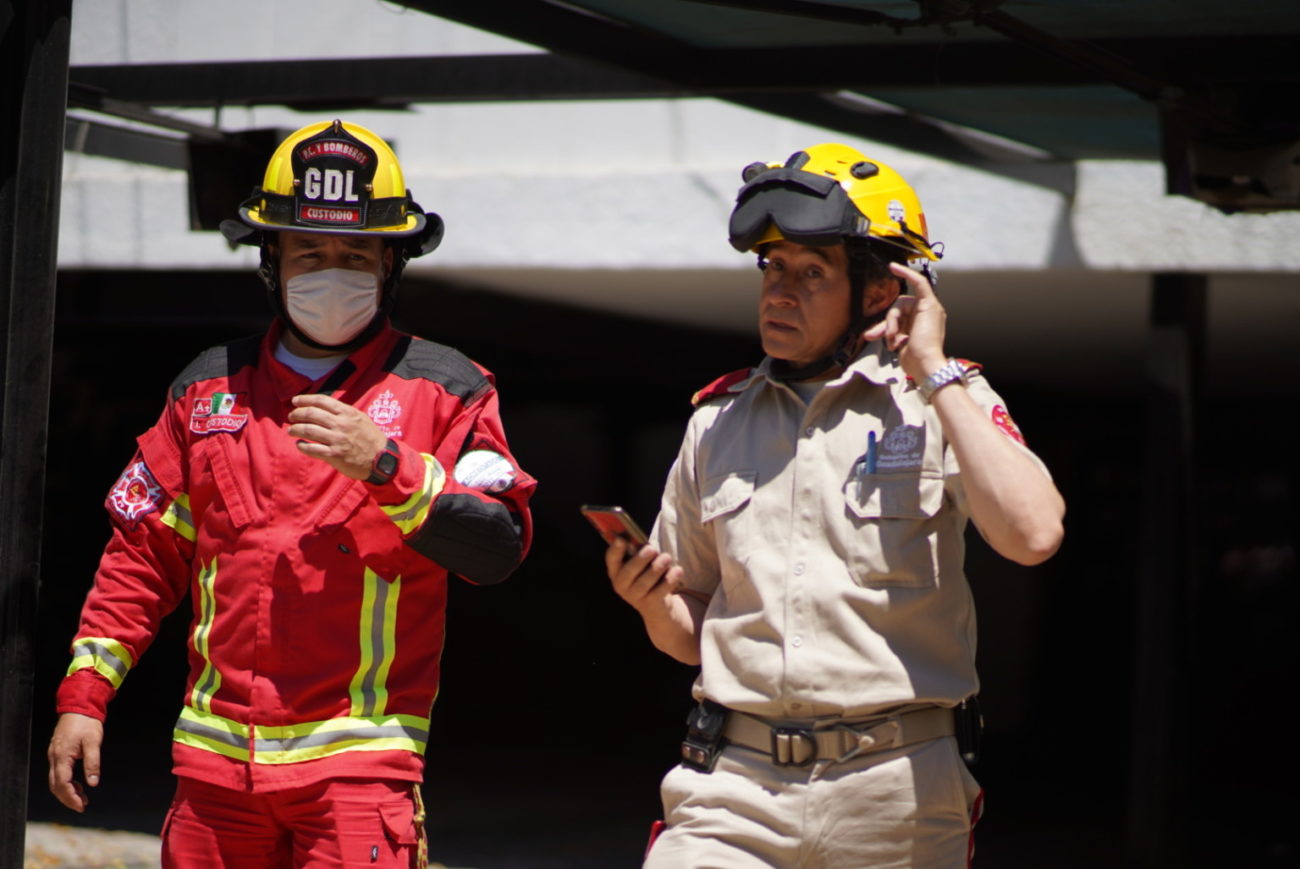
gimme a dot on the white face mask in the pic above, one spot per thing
(332, 306)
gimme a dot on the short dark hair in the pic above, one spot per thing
(879, 255)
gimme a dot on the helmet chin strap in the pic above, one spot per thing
(269, 272)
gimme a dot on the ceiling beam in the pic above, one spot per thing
(401, 81)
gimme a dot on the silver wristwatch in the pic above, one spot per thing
(951, 372)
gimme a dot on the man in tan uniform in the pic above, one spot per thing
(808, 553)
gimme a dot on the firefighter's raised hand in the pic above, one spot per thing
(76, 738)
(914, 327)
(337, 433)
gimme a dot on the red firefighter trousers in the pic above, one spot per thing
(332, 823)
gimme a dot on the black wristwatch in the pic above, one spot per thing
(385, 466)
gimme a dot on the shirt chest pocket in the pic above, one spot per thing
(892, 529)
(726, 508)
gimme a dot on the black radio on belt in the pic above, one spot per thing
(968, 722)
(703, 742)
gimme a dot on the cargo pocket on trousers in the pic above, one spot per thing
(398, 817)
(893, 541)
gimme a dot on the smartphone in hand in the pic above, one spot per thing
(614, 522)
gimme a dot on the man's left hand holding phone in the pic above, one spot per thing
(651, 583)
(639, 572)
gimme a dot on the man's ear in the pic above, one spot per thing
(880, 295)
(388, 261)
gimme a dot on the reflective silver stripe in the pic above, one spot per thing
(313, 740)
(377, 651)
(182, 511)
(411, 515)
(213, 734)
(378, 645)
(209, 679)
(104, 655)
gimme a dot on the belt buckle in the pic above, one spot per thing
(786, 742)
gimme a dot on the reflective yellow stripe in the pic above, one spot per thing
(210, 679)
(212, 733)
(298, 742)
(178, 516)
(107, 657)
(369, 686)
(411, 515)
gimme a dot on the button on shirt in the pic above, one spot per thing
(837, 587)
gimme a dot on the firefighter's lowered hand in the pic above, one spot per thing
(76, 738)
(337, 433)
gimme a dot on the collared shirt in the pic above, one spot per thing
(835, 568)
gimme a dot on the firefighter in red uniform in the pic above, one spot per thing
(311, 488)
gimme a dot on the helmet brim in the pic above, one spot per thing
(413, 225)
(423, 231)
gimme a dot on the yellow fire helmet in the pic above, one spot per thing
(340, 179)
(826, 195)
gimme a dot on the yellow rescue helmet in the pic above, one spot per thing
(341, 179)
(824, 195)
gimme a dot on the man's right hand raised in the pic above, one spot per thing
(76, 737)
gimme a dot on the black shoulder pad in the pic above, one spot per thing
(415, 359)
(220, 361)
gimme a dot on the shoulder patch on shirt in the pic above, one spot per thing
(135, 493)
(220, 361)
(721, 386)
(217, 412)
(1003, 420)
(416, 359)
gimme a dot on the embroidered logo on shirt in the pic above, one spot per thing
(902, 448)
(1003, 420)
(135, 493)
(384, 410)
(218, 413)
(485, 469)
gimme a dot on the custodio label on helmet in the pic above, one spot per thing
(340, 216)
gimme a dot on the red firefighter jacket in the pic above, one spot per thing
(318, 600)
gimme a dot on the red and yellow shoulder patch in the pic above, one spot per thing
(1003, 421)
(721, 386)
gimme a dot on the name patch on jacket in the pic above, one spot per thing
(135, 493)
(218, 413)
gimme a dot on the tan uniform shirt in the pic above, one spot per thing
(835, 591)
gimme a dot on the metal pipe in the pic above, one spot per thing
(34, 40)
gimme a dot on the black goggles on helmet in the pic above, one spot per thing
(807, 209)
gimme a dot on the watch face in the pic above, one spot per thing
(386, 464)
